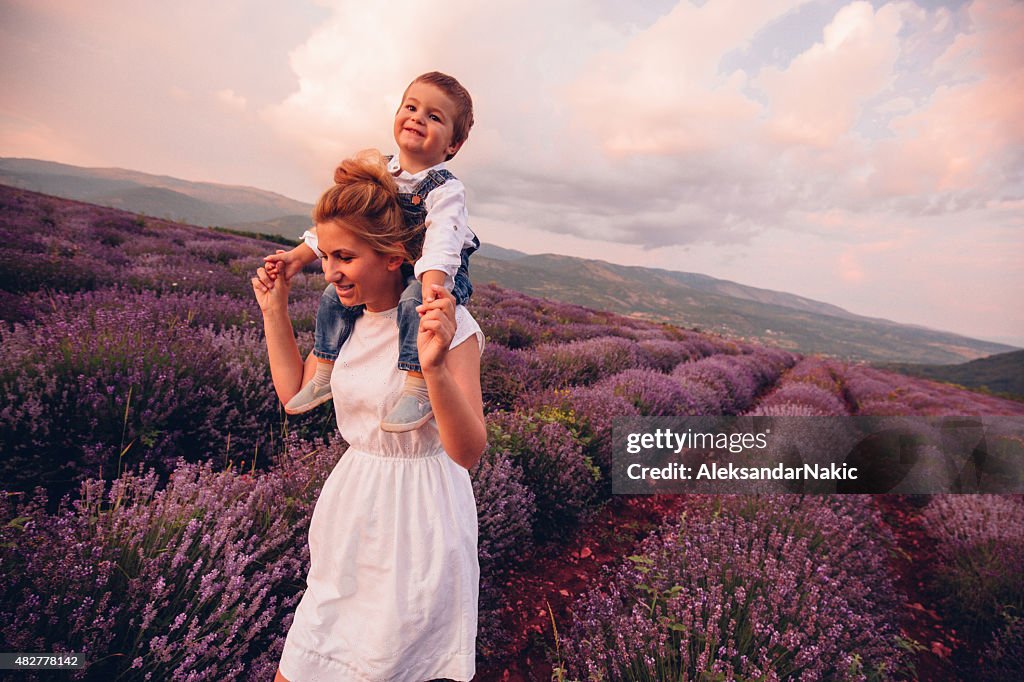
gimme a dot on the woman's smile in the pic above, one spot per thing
(360, 275)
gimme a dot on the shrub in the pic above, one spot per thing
(583, 362)
(981, 542)
(768, 588)
(84, 385)
(663, 355)
(505, 375)
(562, 478)
(652, 393)
(195, 581)
(807, 399)
(505, 508)
(588, 412)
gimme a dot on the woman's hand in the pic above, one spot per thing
(271, 290)
(453, 378)
(437, 328)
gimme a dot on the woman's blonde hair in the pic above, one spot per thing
(365, 198)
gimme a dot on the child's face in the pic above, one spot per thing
(424, 125)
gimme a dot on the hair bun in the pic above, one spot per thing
(368, 165)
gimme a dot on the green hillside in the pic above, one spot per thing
(1002, 374)
(774, 318)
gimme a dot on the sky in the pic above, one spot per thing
(866, 154)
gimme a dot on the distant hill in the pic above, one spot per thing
(681, 298)
(693, 300)
(160, 196)
(1002, 374)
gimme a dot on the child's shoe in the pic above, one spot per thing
(316, 392)
(412, 410)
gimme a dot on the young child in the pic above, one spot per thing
(431, 125)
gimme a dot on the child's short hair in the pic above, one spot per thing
(459, 95)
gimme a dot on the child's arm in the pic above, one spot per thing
(447, 234)
(429, 279)
(290, 263)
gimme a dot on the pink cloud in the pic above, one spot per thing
(968, 136)
(816, 99)
(661, 92)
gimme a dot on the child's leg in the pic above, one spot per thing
(333, 326)
(408, 327)
(413, 407)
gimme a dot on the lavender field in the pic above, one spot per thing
(156, 500)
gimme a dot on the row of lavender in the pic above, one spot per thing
(779, 587)
(745, 588)
(195, 578)
(551, 402)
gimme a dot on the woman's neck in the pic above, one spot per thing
(388, 299)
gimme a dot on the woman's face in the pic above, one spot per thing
(360, 275)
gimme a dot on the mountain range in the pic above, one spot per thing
(196, 203)
(684, 299)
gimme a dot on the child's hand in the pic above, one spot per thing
(432, 279)
(281, 262)
(437, 327)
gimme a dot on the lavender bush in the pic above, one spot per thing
(85, 385)
(505, 375)
(583, 362)
(875, 392)
(765, 588)
(562, 478)
(653, 393)
(664, 354)
(811, 388)
(505, 508)
(197, 580)
(587, 412)
(981, 542)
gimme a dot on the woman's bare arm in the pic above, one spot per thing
(287, 369)
(453, 379)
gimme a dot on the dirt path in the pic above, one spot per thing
(557, 574)
(914, 565)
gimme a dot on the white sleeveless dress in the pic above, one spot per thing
(393, 580)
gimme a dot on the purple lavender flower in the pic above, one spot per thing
(562, 478)
(189, 581)
(747, 587)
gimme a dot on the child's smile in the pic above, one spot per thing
(424, 127)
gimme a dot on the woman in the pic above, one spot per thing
(393, 580)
